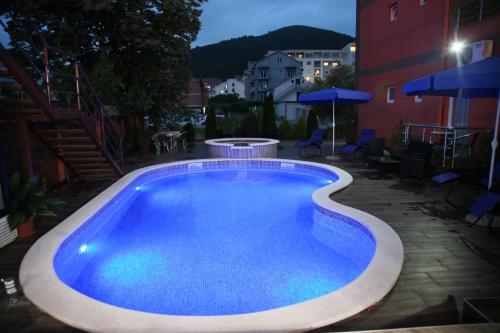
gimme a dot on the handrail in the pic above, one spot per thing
(83, 98)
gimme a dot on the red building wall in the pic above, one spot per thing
(416, 44)
(393, 53)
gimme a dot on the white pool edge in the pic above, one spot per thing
(44, 289)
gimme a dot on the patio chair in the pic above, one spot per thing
(416, 161)
(447, 178)
(375, 149)
(488, 202)
(364, 141)
(314, 142)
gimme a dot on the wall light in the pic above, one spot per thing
(457, 46)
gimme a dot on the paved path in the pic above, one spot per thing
(445, 261)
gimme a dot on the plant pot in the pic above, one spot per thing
(27, 228)
(7, 236)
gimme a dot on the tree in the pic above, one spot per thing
(286, 130)
(345, 116)
(312, 122)
(250, 125)
(147, 43)
(211, 124)
(300, 129)
(269, 128)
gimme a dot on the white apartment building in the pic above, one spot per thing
(321, 63)
(230, 86)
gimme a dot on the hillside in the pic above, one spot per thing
(229, 58)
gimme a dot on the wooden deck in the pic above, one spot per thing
(470, 328)
(445, 261)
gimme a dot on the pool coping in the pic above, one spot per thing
(264, 142)
(44, 289)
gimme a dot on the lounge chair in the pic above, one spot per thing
(364, 141)
(496, 177)
(488, 202)
(314, 142)
(447, 178)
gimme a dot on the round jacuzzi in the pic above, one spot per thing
(219, 245)
(242, 148)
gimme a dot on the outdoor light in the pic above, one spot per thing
(457, 46)
(137, 188)
(83, 248)
(10, 289)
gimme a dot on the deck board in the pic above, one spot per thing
(445, 260)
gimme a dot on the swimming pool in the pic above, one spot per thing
(233, 244)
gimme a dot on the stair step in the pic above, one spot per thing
(62, 130)
(11, 86)
(69, 138)
(23, 111)
(79, 154)
(70, 146)
(98, 166)
(8, 101)
(96, 171)
(85, 160)
(99, 177)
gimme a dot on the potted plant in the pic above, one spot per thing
(27, 202)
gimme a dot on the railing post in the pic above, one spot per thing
(47, 72)
(77, 84)
(103, 135)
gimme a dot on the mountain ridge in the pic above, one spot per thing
(228, 58)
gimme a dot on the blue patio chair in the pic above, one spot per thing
(364, 141)
(315, 141)
(488, 202)
(445, 178)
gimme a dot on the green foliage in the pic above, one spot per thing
(148, 42)
(207, 60)
(230, 103)
(286, 131)
(397, 136)
(28, 200)
(210, 124)
(312, 122)
(250, 126)
(300, 129)
(189, 133)
(269, 129)
(230, 124)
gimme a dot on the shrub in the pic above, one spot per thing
(286, 131)
(300, 129)
(189, 133)
(250, 125)
(211, 124)
(268, 118)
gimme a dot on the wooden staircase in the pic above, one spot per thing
(80, 132)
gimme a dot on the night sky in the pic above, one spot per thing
(225, 19)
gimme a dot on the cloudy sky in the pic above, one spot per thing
(225, 19)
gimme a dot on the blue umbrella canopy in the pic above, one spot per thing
(477, 80)
(337, 95)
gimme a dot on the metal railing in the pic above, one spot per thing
(476, 10)
(447, 137)
(62, 79)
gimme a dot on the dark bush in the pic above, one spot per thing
(300, 129)
(210, 124)
(286, 131)
(189, 133)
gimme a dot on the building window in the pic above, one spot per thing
(318, 54)
(308, 63)
(327, 54)
(317, 72)
(232, 90)
(232, 84)
(352, 48)
(279, 59)
(422, 2)
(326, 64)
(317, 64)
(393, 12)
(390, 94)
(291, 73)
(263, 74)
(308, 55)
(418, 99)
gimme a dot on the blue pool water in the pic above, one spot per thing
(215, 242)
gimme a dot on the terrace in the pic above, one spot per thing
(445, 261)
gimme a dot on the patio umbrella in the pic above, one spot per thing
(477, 80)
(335, 96)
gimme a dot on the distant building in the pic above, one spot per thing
(321, 63)
(230, 86)
(197, 98)
(263, 76)
(286, 97)
(399, 41)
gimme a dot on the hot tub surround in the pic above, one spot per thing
(42, 286)
(242, 148)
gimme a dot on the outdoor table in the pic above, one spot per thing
(170, 142)
(383, 164)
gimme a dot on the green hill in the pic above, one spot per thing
(229, 58)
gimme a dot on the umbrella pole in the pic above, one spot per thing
(494, 144)
(333, 157)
